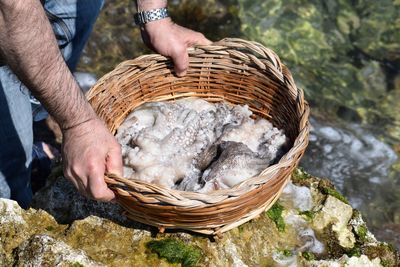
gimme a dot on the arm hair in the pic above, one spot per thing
(29, 47)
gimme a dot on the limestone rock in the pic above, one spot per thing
(17, 225)
(291, 233)
(43, 250)
(338, 214)
(348, 262)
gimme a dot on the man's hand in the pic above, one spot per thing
(172, 40)
(89, 150)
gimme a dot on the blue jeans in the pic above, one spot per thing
(72, 23)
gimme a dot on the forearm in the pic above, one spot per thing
(150, 4)
(28, 46)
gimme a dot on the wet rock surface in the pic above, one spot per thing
(344, 54)
(290, 233)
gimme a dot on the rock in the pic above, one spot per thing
(378, 33)
(295, 231)
(337, 214)
(43, 250)
(61, 199)
(108, 242)
(348, 262)
(356, 160)
(397, 82)
(17, 225)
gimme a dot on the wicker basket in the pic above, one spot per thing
(234, 70)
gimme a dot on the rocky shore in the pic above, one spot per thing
(310, 225)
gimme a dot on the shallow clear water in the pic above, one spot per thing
(346, 57)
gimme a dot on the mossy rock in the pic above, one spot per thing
(275, 214)
(175, 251)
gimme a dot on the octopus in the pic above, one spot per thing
(194, 145)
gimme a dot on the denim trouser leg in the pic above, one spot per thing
(15, 139)
(72, 22)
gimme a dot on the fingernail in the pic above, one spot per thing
(181, 74)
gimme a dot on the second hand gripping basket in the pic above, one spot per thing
(232, 70)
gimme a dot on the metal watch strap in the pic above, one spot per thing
(144, 17)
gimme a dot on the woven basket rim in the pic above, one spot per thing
(232, 42)
(253, 55)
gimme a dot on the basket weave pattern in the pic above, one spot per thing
(233, 70)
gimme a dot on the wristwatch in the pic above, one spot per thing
(144, 17)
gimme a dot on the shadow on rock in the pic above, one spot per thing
(60, 199)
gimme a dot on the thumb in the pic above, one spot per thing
(181, 60)
(114, 160)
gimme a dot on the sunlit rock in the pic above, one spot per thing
(43, 250)
(347, 261)
(294, 232)
(338, 214)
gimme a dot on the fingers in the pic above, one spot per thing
(90, 183)
(200, 39)
(181, 60)
(180, 55)
(97, 187)
(114, 160)
(86, 156)
(172, 40)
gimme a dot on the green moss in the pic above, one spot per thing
(76, 264)
(326, 187)
(361, 232)
(301, 178)
(391, 248)
(175, 251)
(386, 264)
(334, 193)
(308, 213)
(275, 214)
(287, 252)
(308, 255)
(354, 252)
(50, 228)
(299, 175)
